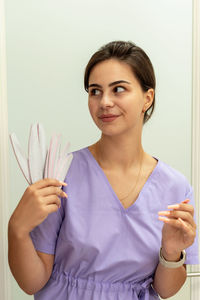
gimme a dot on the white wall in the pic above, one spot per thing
(4, 198)
(48, 45)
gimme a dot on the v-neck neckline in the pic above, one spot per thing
(152, 174)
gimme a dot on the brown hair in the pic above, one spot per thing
(135, 57)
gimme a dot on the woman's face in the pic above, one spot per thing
(115, 98)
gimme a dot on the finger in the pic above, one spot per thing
(52, 191)
(52, 208)
(174, 214)
(52, 200)
(182, 206)
(183, 223)
(179, 223)
(187, 226)
(48, 182)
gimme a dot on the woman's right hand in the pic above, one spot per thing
(38, 201)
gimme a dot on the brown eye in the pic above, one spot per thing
(95, 92)
(119, 89)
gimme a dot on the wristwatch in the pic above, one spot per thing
(172, 264)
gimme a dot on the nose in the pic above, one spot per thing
(106, 101)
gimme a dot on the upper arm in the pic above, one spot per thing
(48, 260)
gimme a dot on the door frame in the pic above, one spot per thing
(195, 282)
(5, 276)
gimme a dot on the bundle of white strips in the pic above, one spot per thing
(42, 162)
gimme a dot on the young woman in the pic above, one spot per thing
(119, 228)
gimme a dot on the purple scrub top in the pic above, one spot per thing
(102, 250)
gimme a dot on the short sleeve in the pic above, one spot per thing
(44, 236)
(192, 257)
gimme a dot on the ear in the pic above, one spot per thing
(148, 99)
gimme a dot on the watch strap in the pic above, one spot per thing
(172, 264)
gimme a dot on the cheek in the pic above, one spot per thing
(92, 107)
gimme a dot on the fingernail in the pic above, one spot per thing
(163, 219)
(186, 201)
(65, 194)
(182, 222)
(63, 183)
(164, 212)
(173, 206)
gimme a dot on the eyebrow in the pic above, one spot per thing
(110, 84)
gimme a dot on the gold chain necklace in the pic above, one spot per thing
(134, 187)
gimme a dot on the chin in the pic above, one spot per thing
(110, 132)
(109, 129)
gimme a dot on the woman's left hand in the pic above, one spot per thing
(179, 229)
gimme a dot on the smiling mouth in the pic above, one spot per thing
(108, 118)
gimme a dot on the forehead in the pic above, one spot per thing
(111, 70)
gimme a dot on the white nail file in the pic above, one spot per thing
(42, 162)
(20, 157)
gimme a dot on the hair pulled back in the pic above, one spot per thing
(135, 57)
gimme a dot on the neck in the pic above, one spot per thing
(114, 153)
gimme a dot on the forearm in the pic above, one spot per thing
(26, 266)
(168, 281)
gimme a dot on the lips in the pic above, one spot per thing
(108, 117)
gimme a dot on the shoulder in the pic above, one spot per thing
(168, 171)
(81, 156)
(168, 186)
(172, 178)
(80, 162)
